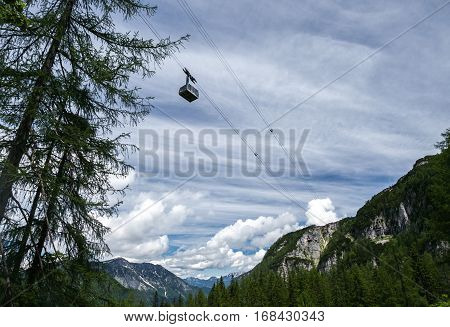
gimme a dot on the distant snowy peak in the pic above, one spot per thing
(208, 283)
(233, 275)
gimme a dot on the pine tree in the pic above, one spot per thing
(427, 276)
(11, 12)
(234, 294)
(200, 299)
(179, 302)
(155, 301)
(190, 302)
(105, 67)
(31, 105)
(212, 301)
(221, 293)
(69, 67)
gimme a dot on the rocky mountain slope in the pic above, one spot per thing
(417, 205)
(148, 278)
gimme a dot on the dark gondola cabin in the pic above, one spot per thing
(187, 91)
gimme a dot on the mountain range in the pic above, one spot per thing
(148, 278)
(207, 284)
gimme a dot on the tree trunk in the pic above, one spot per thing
(27, 232)
(19, 145)
(36, 266)
(8, 292)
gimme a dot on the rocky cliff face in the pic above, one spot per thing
(388, 214)
(311, 245)
(308, 248)
(382, 228)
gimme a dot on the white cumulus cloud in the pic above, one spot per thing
(141, 233)
(255, 233)
(320, 212)
(225, 250)
(143, 251)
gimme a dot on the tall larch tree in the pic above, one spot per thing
(64, 87)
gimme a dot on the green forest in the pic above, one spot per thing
(416, 281)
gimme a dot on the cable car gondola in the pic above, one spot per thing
(187, 91)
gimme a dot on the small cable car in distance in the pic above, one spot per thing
(187, 91)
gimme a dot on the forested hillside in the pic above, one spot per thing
(394, 252)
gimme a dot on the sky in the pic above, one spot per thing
(355, 137)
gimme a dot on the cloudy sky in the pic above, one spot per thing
(363, 131)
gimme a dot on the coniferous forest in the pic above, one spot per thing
(417, 283)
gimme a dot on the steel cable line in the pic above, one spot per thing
(221, 57)
(189, 12)
(359, 63)
(170, 117)
(210, 100)
(223, 115)
(219, 110)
